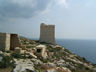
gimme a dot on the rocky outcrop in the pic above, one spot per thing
(42, 57)
(23, 65)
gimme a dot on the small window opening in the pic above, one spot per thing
(38, 50)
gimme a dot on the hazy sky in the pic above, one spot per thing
(73, 18)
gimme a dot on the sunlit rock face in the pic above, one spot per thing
(23, 65)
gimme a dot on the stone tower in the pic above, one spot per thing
(47, 33)
(9, 41)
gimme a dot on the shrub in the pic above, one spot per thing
(28, 46)
(6, 61)
(66, 50)
(16, 55)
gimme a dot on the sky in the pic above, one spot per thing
(73, 19)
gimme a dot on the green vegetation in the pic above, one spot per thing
(82, 59)
(30, 46)
(38, 67)
(50, 49)
(16, 55)
(83, 69)
(66, 50)
(6, 61)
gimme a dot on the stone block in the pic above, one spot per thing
(18, 50)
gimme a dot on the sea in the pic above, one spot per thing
(83, 48)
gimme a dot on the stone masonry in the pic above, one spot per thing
(4, 41)
(9, 41)
(14, 41)
(41, 51)
(47, 33)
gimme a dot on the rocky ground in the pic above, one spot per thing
(54, 58)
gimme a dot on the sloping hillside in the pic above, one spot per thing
(43, 57)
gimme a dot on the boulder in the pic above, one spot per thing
(51, 70)
(1, 58)
(1, 52)
(51, 64)
(36, 61)
(62, 69)
(60, 63)
(32, 55)
(23, 47)
(18, 49)
(23, 65)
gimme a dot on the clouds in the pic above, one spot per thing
(29, 3)
(26, 8)
(25, 16)
(63, 3)
(21, 8)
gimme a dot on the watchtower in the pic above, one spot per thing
(47, 33)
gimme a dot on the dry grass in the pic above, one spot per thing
(8, 69)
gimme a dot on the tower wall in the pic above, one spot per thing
(7, 42)
(15, 42)
(4, 41)
(47, 33)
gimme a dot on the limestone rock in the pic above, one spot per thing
(51, 64)
(1, 52)
(23, 65)
(51, 70)
(32, 55)
(36, 61)
(1, 58)
(18, 50)
(62, 69)
(60, 63)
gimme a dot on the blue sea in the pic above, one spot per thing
(83, 48)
